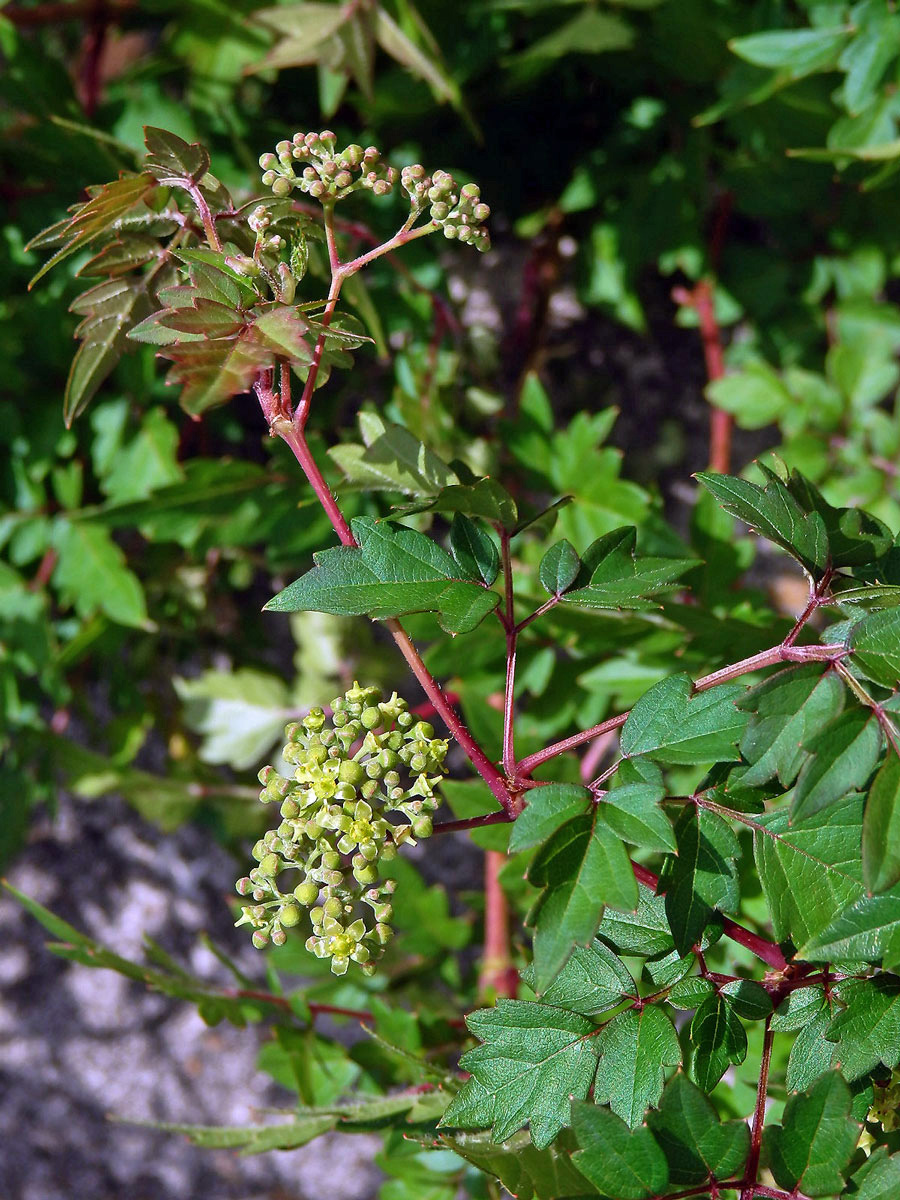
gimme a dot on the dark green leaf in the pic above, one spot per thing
(547, 808)
(867, 1030)
(688, 994)
(697, 1145)
(868, 931)
(474, 549)
(632, 811)
(773, 512)
(810, 871)
(875, 644)
(635, 1048)
(811, 1148)
(593, 981)
(881, 828)
(702, 877)
(391, 459)
(879, 1177)
(559, 567)
(789, 709)
(644, 932)
(621, 1162)
(672, 726)
(718, 1040)
(583, 867)
(843, 756)
(615, 579)
(534, 1057)
(748, 999)
(391, 572)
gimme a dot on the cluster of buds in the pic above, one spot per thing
(372, 758)
(259, 221)
(459, 211)
(323, 171)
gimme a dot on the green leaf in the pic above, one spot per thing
(644, 931)
(810, 870)
(474, 549)
(881, 828)
(867, 1030)
(774, 513)
(391, 572)
(590, 32)
(110, 310)
(51, 922)
(99, 215)
(241, 714)
(689, 993)
(842, 757)
(697, 1145)
(879, 1177)
(426, 67)
(634, 1050)
(616, 579)
(621, 1162)
(671, 725)
(756, 396)
(559, 567)
(91, 574)
(788, 709)
(811, 1053)
(485, 498)
(208, 317)
(702, 876)
(252, 1139)
(811, 1148)
(875, 644)
(583, 867)
(547, 807)
(391, 460)
(632, 811)
(534, 1058)
(749, 1000)
(171, 159)
(593, 981)
(798, 51)
(718, 1040)
(526, 1173)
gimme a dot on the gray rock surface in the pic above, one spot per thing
(77, 1045)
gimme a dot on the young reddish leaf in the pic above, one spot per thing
(171, 159)
(205, 317)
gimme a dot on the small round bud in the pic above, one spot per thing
(279, 937)
(281, 186)
(333, 908)
(270, 865)
(244, 886)
(307, 893)
(290, 915)
(370, 718)
(260, 939)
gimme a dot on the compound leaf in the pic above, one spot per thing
(618, 579)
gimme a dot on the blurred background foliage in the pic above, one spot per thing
(630, 150)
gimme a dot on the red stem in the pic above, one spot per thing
(764, 949)
(495, 818)
(759, 1113)
(497, 976)
(766, 658)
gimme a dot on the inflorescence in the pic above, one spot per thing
(370, 758)
(327, 174)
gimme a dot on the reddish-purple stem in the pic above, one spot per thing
(759, 1112)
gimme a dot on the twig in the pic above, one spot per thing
(759, 1112)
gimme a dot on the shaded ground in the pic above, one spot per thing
(78, 1044)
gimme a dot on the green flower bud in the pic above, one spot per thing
(279, 937)
(333, 908)
(260, 939)
(307, 893)
(281, 186)
(289, 915)
(270, 865)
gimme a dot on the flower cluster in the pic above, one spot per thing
(459, 211)
(372, 758)
(325, 172)
(310, 162)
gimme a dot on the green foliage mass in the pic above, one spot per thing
(693, 783)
